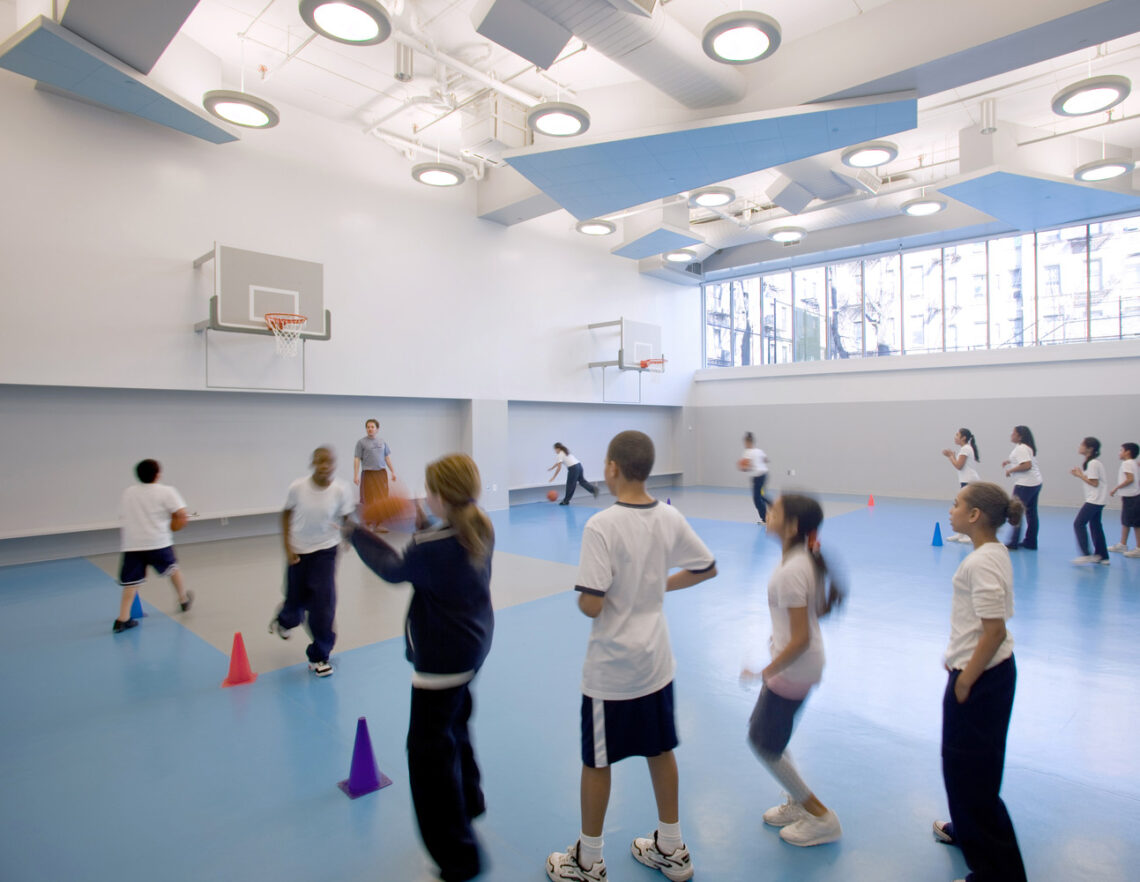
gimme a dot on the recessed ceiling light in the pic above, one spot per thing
(241, 109)
(357, 22)
(680, 255)
(741, 37)
(595, 227)
(558, 118)
(923, 206)
(870, 155)
(711, 197)
(1103, 169)
(787, 235)
(438, 174)
(1091, 95)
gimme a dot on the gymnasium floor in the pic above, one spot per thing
(124, 759)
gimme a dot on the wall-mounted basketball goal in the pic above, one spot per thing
(256, 297)
(638, 350)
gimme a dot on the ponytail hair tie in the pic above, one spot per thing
(813, 541)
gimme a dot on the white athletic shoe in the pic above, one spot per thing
(1118, 547)
(787, 813)
(1086, 558)
(1135, 552)
(676, 866)
(812, 830)
(321, 668)
(562, 866)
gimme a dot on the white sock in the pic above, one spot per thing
(668, 837)
(589, 850)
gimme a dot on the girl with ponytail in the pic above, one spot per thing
(447, 637)
(1095, 479)
(978, 700)
(964, 457)
(800, 591)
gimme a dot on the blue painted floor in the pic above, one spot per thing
(124, 759)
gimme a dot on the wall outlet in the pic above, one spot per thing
(225, 521)
(791, 472)
(494, 488)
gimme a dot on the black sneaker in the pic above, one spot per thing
(564, 503)
(124, 626)
(188, 602)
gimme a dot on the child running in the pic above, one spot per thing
(1088, 520)
(978, 700)
(754, 463)
(965, 461)
(1128, 486)
(447, 635)
(627, 680)
(799, 592)
(149, 512)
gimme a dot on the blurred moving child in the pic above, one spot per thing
(1093, 475)
(1128, 486)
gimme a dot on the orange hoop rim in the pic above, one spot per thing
(282, 320)
(646, 362)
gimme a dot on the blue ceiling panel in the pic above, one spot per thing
(596, 179)
(655, 242)
(50, 54)
(1028, 203)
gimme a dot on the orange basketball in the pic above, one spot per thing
(388, 509)
(745, 464)
(551, 495)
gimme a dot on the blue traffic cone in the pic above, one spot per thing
(136, 608)
(363, 776)
(937, 536)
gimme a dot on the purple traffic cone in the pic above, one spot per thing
(363, 776)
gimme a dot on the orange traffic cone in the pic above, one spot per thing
(871, 500)
(239, 665)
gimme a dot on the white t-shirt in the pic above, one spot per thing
(144, 512)
(1129, 467)
(1095, 471)
(317, 513)
(627, 553)
(757, 461)
(969, 470)
(983, 589)
(569, 459)
(795, 585)
(1031, 477)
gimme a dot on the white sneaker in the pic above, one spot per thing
(321, 668)
(1135, 552)
(812, 830)
(1118, 547)
(787, 813)
(677, 866)
(1103, 561)
(562, 866)
(1086, 558)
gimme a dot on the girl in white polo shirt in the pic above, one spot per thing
(978, 700)
(1022, 467)
(965, 460)
(1093, 476)
(1128, 486)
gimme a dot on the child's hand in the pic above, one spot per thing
(1005, 462)
(946, 452)
(1075, 472)
(961, 690)
(748, 677)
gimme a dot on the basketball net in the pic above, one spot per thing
(286, 328)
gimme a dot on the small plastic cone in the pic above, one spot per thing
(937, 540)
(240, 671)
(870, 500)
(363, 775)
(136, 608)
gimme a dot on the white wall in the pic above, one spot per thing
(104, 213)
(877, 426)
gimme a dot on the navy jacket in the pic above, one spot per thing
(450, 622)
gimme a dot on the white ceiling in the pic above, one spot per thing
(264, 46)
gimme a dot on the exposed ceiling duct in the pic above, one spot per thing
(649, 44)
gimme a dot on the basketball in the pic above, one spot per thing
(387, 510)
(744, 464)
(551, 495)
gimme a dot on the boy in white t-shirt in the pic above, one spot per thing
(1128, 486)
(149, 512)
(627, 680)
(754, 463)
(315, 511)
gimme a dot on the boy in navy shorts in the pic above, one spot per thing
(627, 680)
(149, 512)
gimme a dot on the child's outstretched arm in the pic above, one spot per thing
(379, 556)
(689, 578)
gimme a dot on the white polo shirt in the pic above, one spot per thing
(1095, 471)
(795, 584)
(317, 513)
(969, 470)
(757, 461)
(1129, 467)
(1031, 477)
(144, 512)
(568, 459)
(627, 553)
(983, 589)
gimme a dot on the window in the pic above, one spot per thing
(1062, 294)
(810, 294)
(732, 323)
(746, 322)
(845, 310)
(882, 306)
(922, 300)
(1114, 279)
(964, 269)
(776, 300)
(1012, 285)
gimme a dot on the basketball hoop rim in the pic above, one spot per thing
(282, 320)
(646, 362)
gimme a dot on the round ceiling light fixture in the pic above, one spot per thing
(595, 227)
(1103, 170)
(787, 235)
(558, 119)
(1091, 96)
(356, 22)
(438, 174)
(741, 37)
(923, 206)
(241, 109)
(711, 197)
(870, 155)
(680, 255)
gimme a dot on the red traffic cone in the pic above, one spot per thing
(363, 775)
(239, 665)
(871, 501)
